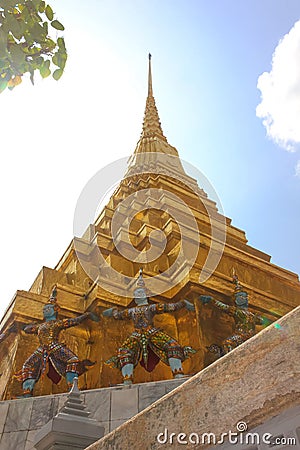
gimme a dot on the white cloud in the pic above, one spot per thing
(280, 92)
(297, 169)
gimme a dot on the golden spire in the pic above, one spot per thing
(152, 140)
(150, 90)
(151, 125)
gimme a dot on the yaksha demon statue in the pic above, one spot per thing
(245, 321)
(148, 344)
(62, 362)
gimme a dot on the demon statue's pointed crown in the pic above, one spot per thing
(53, 299)
(140, 290)
(240, 296)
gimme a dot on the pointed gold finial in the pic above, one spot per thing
(152, 138)
(151, 125)
(150, 90)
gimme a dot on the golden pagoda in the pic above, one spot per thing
(159, 219)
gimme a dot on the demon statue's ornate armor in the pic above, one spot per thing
(148, 344)
(245, 321)
(61, 361)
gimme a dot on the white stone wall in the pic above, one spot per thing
(20, 419)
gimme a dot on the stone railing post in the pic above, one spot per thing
(71, 428)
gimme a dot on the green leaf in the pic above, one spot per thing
(42, 7)
(45, 26)
(55, 60)
(7, 4)
(25, 45)
(18, 56)
(16, 27)
(57, 74)
(4, 63)
(49, 12)
(44, 69)
(57, 25)
(49, 44)
(60, 59)
(39, 61)
(3, 85)
(3, 44)
(61, 44)
(38, 33)
(36, 4)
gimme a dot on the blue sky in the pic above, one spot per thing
(207, 60)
